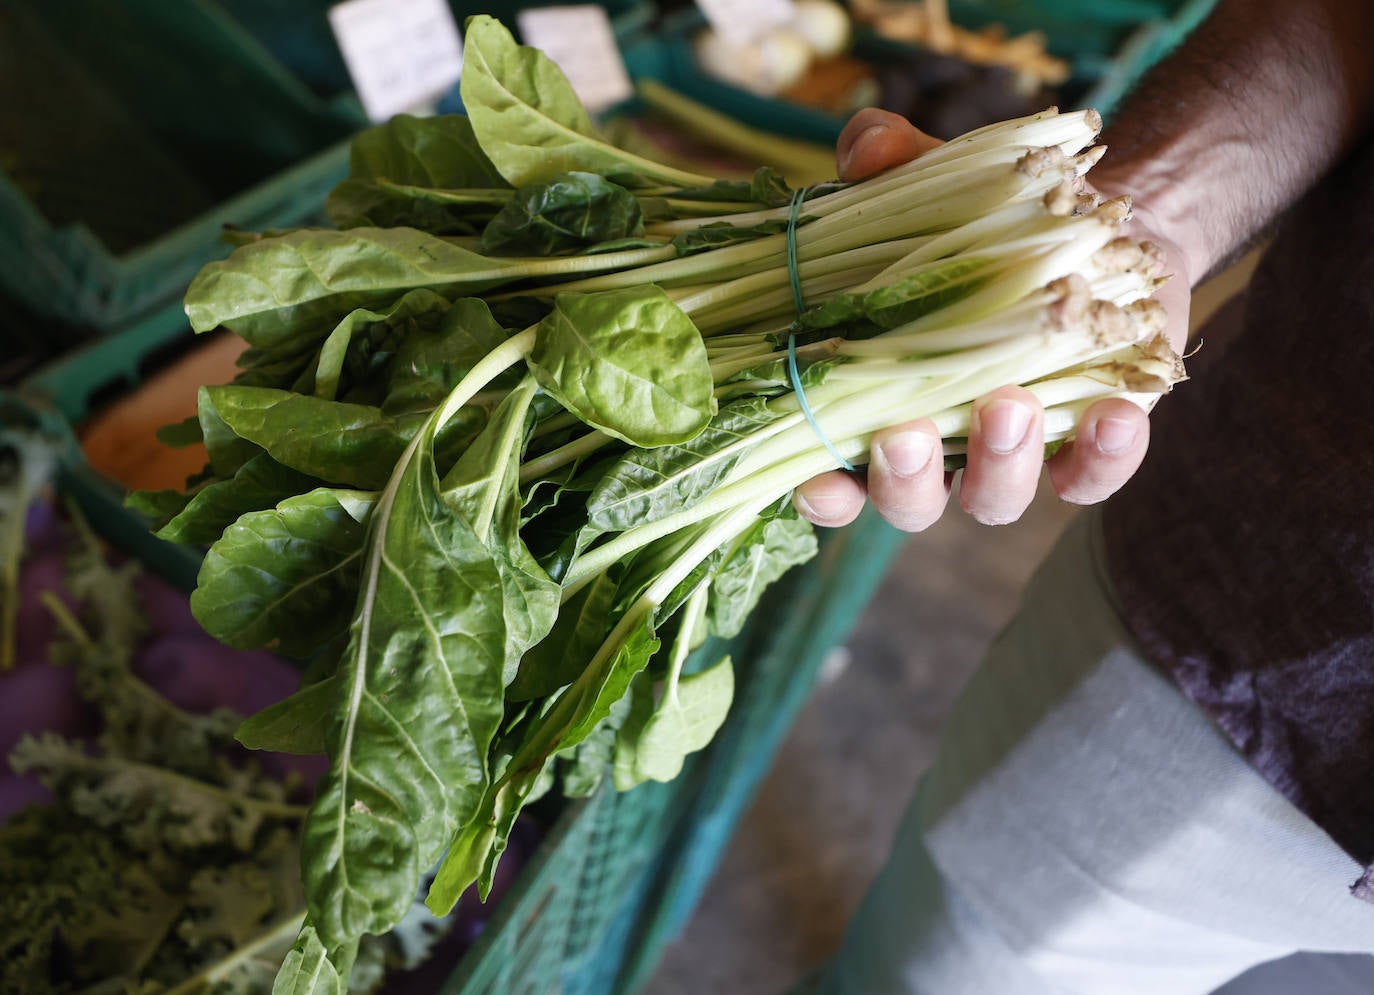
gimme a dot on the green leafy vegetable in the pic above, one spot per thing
(649, 484)
(354, 444)
(309, 970)
(396, 170)
(293, 725)
(181, 434)
(920, 293)
(260, 483)
(760, 556)
(424, 152)
(286, 578)
(228, 451)
(567, 213)
(270, 290)
(419, 707)
(628, 362)
(582, 625)
(428, 364)
(714, 236)
(530, 122)
(692, 710)
(335, 350)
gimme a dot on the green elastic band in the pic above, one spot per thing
(792, 274)
(792, 374)
(795, 377)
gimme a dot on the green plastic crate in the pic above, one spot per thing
(1109, 47)
(619, 874)
(133, 132)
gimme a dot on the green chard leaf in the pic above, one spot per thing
(583, 624)
(928, 289)
(419, 172)
(766, 187)
(228, 451)
(421, 695)
(285, 578)
(439, 151)
(298, 286)
(477, 847)
(260, 483)
(649, 484)
(383, 204)
(585, 765)
(286, 365)
(181, 434)
(430, 362)
(625, 772)
(628, 362)
(309, 969)
(483, 488)
(650, 562)
(565, 214)
(722, 233)
(622, 245)
(760, 556)
(292, 725)
(354, 444)
(158, 506)
(687, 718)
(335, 349)
(529, 121)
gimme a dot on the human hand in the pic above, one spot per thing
(906, 479)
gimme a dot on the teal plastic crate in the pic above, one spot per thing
(1109, 47)
(619, 874)
(212, 112)
(133, 132)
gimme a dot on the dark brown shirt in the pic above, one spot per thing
(1243, 550)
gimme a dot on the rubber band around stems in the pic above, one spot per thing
(794, 276)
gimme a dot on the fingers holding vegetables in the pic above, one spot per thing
(1005, 443)
(1105, 453)
(906, 475)
(1005, 451)
(905, 478)
(832, 499)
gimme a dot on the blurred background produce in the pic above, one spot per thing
(141, 848)
(947, 78)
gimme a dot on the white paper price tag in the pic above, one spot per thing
(580, 39)
(742, 21)
(401, 53)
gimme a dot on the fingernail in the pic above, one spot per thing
(1004, 424)
(905, 453)
(867, 135)
(1114, 435)
(821, 507)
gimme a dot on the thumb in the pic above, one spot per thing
(874, 139)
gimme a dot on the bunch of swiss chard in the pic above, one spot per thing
(520, 433)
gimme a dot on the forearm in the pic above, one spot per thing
(1228, 131)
